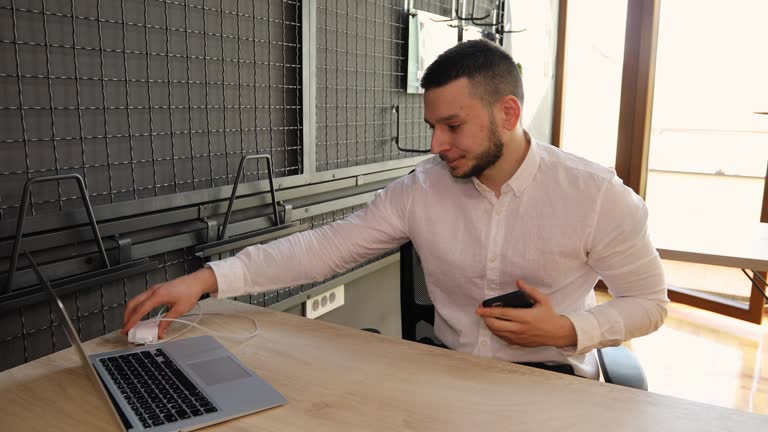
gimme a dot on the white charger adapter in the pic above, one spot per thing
(144, 332)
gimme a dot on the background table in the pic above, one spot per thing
(742, 246)
(729, 246)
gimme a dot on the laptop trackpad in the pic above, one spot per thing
(218, 370)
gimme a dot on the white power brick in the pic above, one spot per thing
(324, 303)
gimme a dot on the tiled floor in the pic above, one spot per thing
(706, 357)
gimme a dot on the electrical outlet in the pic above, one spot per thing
(324, 303)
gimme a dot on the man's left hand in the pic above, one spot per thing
(540, 325)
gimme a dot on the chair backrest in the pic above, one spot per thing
(417, 313)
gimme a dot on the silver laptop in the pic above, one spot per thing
(179, 385)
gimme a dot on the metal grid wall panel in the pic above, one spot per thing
(439, 7)
(31, 332)
(272, 297)
(361, 64)
(145, 98)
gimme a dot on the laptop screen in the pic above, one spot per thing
(58, 309)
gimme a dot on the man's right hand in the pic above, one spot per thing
(180, 295)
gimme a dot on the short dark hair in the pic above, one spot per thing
(491, 70)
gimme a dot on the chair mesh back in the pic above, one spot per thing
(420, 293)
(417, 311)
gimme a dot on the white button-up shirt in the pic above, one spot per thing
(560, 224)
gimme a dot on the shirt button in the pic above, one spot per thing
(492, 259)
(484, 342)
(497, 212)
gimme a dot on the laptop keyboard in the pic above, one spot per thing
(155, 388)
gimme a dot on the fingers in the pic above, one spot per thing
(175, 312)
(180, 295)
(505, 313)
(135, 302)
(143, 307)
(510, 332)
(496, 325)
(537, 296)
(517, 340)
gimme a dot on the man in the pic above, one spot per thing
(496, 212)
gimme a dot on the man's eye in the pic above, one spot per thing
(453, 126)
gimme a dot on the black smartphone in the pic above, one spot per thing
(514, 299)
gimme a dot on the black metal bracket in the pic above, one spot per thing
(125, 267)
(35, 294)
(497, 22)
(123, 249)
(240, 241)
(211, 230)
(472, 16)
(282, 226)
(240, 169)
(25, 197)
(396, 138)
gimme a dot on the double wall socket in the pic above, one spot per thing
(324, 303)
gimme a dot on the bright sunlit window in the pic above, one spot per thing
(709, 144)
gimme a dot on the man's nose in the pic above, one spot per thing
(439, 143)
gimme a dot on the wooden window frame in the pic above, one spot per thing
(633, 138)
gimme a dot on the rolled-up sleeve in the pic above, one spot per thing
(622, 253)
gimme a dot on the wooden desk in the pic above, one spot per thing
(342, 379)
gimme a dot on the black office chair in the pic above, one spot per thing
(618, 364)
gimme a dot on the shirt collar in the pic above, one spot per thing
(528, 168)
(525, 173)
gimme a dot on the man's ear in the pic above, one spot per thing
(512, 111)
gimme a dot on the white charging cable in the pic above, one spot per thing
(198, 316)
(159, 318)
